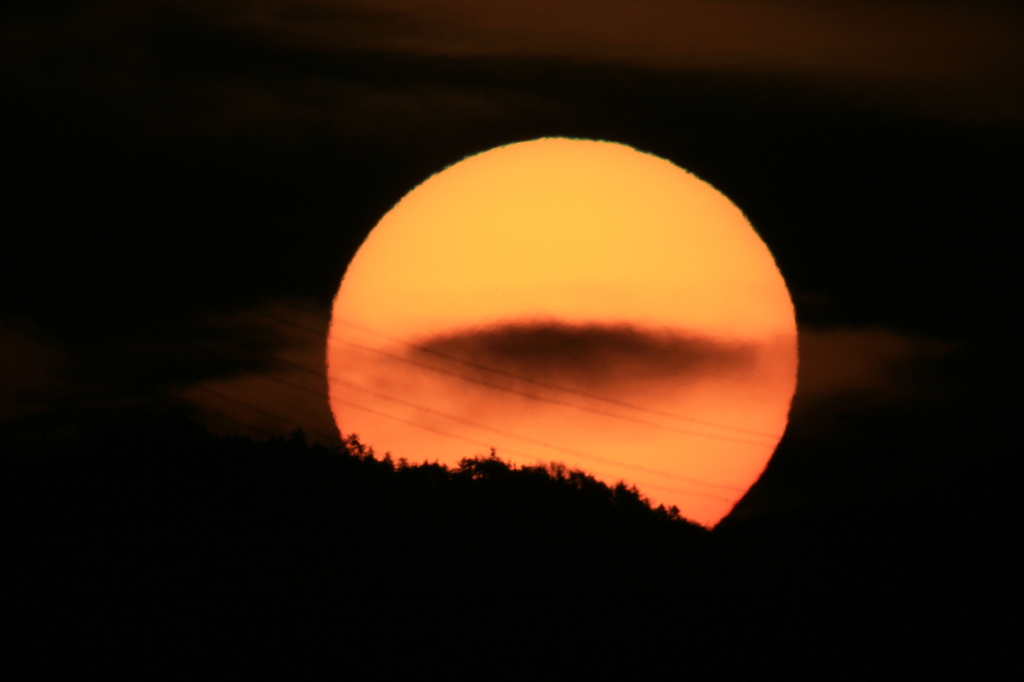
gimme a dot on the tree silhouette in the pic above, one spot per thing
(158, 539)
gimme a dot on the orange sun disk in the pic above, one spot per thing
(573, 301)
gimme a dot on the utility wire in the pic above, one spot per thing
(530, 396)
(385, 415)
(553, 387)
(252, 407)
(519, 377)
(500, 432)
(475, 442)
(527, 439)
(225, 417)
(506, 434)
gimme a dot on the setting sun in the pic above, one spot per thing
(572, 301)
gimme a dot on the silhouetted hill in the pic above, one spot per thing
(157, 544)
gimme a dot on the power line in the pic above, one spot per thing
(499, 432)
(554, 401)
(418, 425)
(475, 442)
(530, 396)
(519, 377)
(260, 411)
(544, 384)
(534, 441)
(225, 417)
(506, 434)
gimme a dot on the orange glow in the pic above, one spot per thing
(573, 301)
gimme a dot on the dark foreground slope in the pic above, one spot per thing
(158, 546)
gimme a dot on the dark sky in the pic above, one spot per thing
(186, 182)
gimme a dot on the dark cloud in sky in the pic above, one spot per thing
(261, 65)
(591, 356)
(913, 54)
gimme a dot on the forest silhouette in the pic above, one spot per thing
(160, 543)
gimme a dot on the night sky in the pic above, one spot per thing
(185, 183)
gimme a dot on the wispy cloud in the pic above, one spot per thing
(928, 54)
(32, 371)
(947, 59)
(849, 371)
(282, 388)
(256, 371)
(872, 364)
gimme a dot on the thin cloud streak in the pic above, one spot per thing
(255, 396)
(952, 59)
(890, 47)
(32, 372)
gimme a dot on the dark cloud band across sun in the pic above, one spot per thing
(591, 356)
